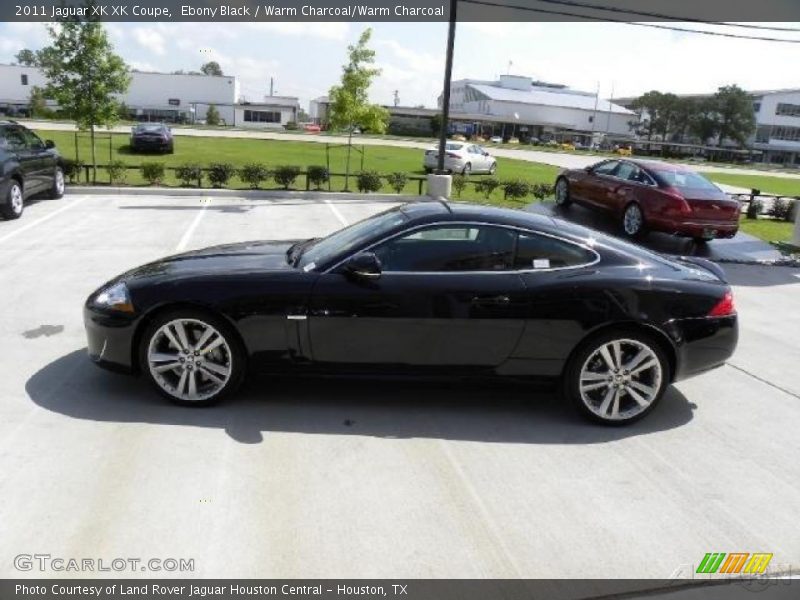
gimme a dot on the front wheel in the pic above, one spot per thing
(57, 189)
(617, 378)
(14, 203)
(562, 193)
(467, 169)
(493, 169)
(192, 358)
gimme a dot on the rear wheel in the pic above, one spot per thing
(562, 192)
(191, 357)
(701, 241)
(14, 203)
(57, 189)
(633, 221)
(467, 169)
(617, 377)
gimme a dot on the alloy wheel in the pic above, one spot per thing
(632, 221)
(16, 198)
(190, 360)
(620, 379)
(562, 192)
(467, 169)
(59, 182)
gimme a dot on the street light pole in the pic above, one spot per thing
(448, 73)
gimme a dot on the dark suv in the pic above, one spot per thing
(152, 136)
(28, 166)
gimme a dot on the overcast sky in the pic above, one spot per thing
(305, 58)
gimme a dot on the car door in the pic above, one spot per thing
(45, 159)
(591, 188)
(481, 159)
(29, 160)
(445, 298)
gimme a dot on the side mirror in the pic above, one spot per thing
(49, 144)
(364, 265)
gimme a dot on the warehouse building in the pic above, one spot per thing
(167, 97)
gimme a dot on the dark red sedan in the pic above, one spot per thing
(651, 195)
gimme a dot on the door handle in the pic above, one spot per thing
(501, 300)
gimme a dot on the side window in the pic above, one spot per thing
(542, 252)
(14, 138)
(627, 171)
(449, 248)
(3, 140)
(606, 168)
(31, 139)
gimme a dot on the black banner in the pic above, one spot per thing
(402, 10)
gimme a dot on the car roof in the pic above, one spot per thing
(656, 164)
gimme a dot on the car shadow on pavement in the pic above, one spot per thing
(491, 411)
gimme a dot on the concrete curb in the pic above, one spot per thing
(250, 194)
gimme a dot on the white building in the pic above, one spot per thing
(777, 134)
(170, 97)
(318, 110)
(540, 109)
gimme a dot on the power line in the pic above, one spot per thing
(624, 22)
(642, 13)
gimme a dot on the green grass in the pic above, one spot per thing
(768, 230)
(238, 151)
(779, 186)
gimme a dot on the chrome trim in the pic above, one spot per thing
(297, 317)
(478, 223)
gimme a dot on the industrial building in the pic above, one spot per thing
(167, 97)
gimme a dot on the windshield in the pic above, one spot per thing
(149, 128)
(684, 179)
(343, 241)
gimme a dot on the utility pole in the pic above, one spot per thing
(448, 75)
(611, 101)
(594, 114)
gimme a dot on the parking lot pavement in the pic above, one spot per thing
(307, 478)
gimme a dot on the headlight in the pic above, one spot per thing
(115, 297)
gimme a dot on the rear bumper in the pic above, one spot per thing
(702, 344)
(706, 229)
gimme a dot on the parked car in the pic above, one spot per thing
(461, 158)
(152, 136)
(496, 139)
(312, 128)
(568, 146)
(623, 150)
(28, 166)
(652, 195)
(428, 287)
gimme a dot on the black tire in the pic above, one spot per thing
(493, 169)
(592, 407)
(14, 202)
(57, 189)
(629, 222)
(467, 169)
(701, 241)
(565, 199)
(233, 350)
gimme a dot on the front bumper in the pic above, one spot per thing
(702, 344)
(110, 339)
(150, 144)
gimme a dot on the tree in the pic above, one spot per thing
(703, 123)
(26, 58)
(737, 121)
(212, 115)
(37, 103)
(211, 68)
(84, 74)
(436, 125)
(349, 101)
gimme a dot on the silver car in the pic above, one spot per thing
(461, 157)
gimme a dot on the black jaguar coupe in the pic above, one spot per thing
(425, 288)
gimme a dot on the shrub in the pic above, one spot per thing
(487, 186)
(541, 191)
(317, 175)
(290, 126)
(117, 172)
(189, 174)
(254, 174)
(459, 183)
(397, 181)
(72, 169)
(212, 116)
(285, 175)
(754, 208)
(220, 173)
(153, 172)
(515, 189)
(368, 181)
(780, 209)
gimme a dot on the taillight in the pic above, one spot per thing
(725, 307)
(679, 203)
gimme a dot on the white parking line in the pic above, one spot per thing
(32, 224)
(336, 213)
(188, 234)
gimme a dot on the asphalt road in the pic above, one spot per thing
(304, 478)
(566, 160)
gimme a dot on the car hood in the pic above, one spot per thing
(244, 257)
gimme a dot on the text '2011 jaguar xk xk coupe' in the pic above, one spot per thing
(424, 288)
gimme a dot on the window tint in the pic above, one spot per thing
(31, 140)
(449, 248)
(542, 252)
(15, 139)
(606, 168)
(684, 179)
(626, 171)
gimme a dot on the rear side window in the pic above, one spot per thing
(543, 252)
(606, 168)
